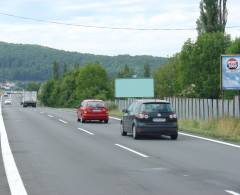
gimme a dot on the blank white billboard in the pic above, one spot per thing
(134, 88)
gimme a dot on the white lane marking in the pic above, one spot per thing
(232, 192)
(41, 112)
(62, 121)
(131, 150)
(90, 133)
(115, 118)
(14, 179)
(51, 116)
(199, 137)
(211, 140)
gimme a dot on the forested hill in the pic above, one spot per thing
(32, 62)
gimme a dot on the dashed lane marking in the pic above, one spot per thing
(232, 192)
(131, 150)
(62, 121)
(88, 132)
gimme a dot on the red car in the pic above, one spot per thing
(92, 110)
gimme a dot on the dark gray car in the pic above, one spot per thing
(149, 117)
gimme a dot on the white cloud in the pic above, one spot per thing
(124, 13)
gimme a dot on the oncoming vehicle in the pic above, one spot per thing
(92, 110)
(149, 117)
(8, 102)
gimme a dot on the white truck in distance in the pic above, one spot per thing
(29, 98)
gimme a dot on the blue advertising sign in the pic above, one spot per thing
(230, 72)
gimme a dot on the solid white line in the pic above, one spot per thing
(51, 116)
(62, 121)
(211, 140)
(90, 133)
(131, 150)
(115, 118)
(199, 137)
(232, 192)
(14, 179)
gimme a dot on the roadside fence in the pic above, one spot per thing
(197, 108)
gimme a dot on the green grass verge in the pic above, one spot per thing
(115, 112)
(227, 129)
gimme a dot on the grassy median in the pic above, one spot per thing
(225, 129)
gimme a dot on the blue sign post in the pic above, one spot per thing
(230, 72)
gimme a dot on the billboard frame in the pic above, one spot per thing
(221, 72)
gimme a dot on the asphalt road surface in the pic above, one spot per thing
(56, 155)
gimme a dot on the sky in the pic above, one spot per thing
(112, 13)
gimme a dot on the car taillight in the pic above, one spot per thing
(172, 116)
(142, 116)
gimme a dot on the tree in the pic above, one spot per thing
(125, 72)
(234, 48)
(65, 68)
(195, 71)
(213, 16)
(55, 70)
(165, 78)
(46, 91)
(92, 82)
(147, 71)
(33, 86)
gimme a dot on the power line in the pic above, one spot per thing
(98, 27)
(103, 27)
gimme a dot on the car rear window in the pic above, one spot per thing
(156, 107)
(95, 104)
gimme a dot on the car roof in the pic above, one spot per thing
(152, 101)
(92, 100)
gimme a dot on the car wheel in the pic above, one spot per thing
(123, 133)
(135, 134)
(174, 137)
(78, 119)
(105, 121)
(83, 120)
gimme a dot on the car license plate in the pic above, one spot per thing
(96, 110)
(159, 120)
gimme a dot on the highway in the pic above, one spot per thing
(56, 155)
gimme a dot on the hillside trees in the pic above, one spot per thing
(125, 72)
(34, 63)
(146, 71)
